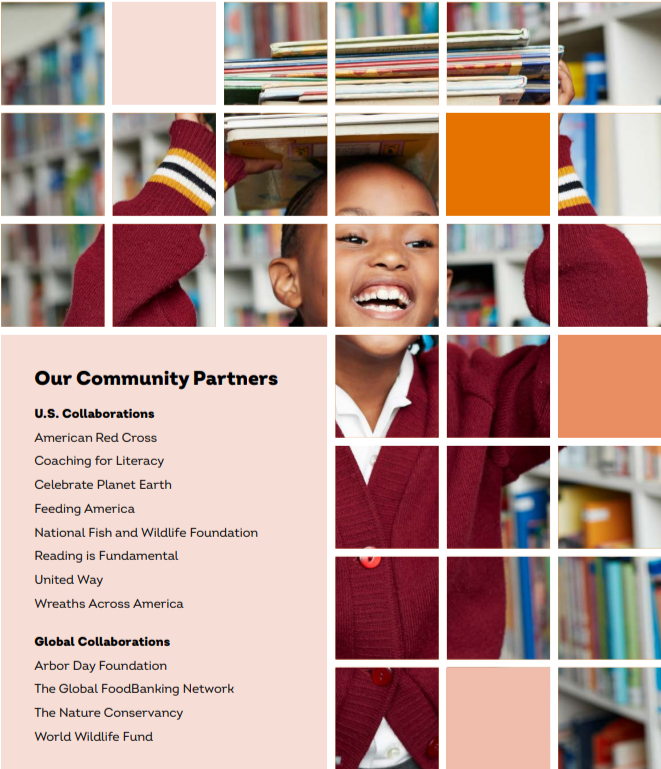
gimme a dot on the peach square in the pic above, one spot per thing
(164, 53)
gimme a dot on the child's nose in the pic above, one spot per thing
(391, 258)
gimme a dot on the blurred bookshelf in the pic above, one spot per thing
(466, 17)
(607, 717)
(37, 271)
(609, 496)
(59, 57)
(250, 28)
(139, 143)
(378, 19)
(623, 40)
(488, 263)
(52, 164)
(527, 626)
(496, 344)
(249, 298)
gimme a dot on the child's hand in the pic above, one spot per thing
(257, 166)
(194, 118)
(565, 89)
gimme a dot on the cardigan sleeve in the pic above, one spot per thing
(573, 200)
(184, 184)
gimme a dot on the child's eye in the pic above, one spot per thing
(420, 244)
(352, 238)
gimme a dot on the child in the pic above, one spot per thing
(149, 260)
(600, 283)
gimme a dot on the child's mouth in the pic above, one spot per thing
(383, 301)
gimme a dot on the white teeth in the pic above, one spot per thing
(393, 294)
(383, 293)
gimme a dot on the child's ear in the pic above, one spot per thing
(285, 281)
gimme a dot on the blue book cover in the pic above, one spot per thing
(527, 610)
(531, 515)
(617, 639)
(655, 575)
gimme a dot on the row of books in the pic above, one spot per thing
(66, 191)
(494, 67)
(601, 682)
(24, 134)
(472, 304)
(527, 619)
(389, 19)
(599, 615)
(68, 71)
(598, 740)
(573, 11)
(487, 238)
(652, 463)
(470, 16)
(47, 246)
(525, 518)
(250, 28)
(594, 518)
(612, 461)
(245, 243)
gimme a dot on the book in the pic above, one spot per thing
(607, 523)
(475, 100)
(509, 88)
(488, 38)
(411, 141)
(531, 516)
(630, 754)
(527, 621)
(572, 503)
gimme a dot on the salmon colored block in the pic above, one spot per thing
(497, 165)
(609, 386)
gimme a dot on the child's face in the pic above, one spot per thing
(386, 274)
(381, 190)
(376, 346)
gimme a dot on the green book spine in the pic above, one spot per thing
(634, 675)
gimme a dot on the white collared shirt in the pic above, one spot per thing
(353, 424)
(386, 750)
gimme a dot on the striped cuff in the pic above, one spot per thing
(571, 192)
(189, 175)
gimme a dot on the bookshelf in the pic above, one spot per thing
(527, 625)
(377, 19)
(525, 507)
(249, 299)
(494, 256)
(52, 164)
(37, 271)
(53, 55)
(629, 34)
(644, 493)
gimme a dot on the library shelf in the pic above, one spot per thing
(630, 36)
(578, 692)
(645, 496)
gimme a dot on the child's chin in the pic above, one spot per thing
(381, 345)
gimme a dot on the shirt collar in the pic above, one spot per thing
(345, 406)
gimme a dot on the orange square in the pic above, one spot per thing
(497, 165)
(608, 386)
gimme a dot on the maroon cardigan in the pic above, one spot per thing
(148, 259)
(388, 610)
(398, 508)
(406, 697)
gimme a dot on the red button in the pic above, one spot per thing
(382, 676)
(432, 749)
(370, 561)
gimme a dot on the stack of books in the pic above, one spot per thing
(399, 69)
(494, 67)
